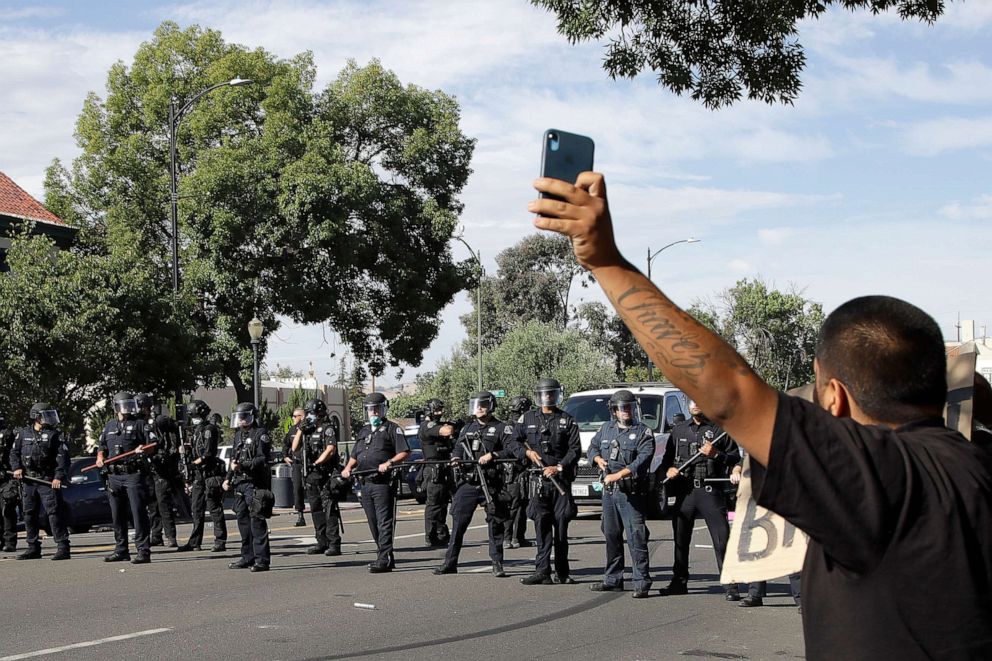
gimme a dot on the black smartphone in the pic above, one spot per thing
(565, 155)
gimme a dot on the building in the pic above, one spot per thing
(17, 208)
(983, 361)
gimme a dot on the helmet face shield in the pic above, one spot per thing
(242, 418)
(626, 413)
(481, 407)
(125, 406)
(48, 417)
(550, 398)
(376, 410)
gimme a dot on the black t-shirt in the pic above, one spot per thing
(899, 564)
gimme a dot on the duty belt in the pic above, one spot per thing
(127, 468)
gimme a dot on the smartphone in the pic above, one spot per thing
(565, 155)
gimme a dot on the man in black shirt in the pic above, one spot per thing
(704, 453)
(898, 508)
(294, 459)
(437, 439)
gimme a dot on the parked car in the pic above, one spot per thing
(85, 498)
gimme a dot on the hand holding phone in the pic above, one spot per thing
(565, 155)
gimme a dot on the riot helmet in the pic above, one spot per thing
(625, 408)
(484, 401)
(520, 405)
(435, 408)
(549, 393)
(376, 408)
(125, 403)
(199, 411)
(244, 415)
(44, 414)
(316, 407)
(145, 401)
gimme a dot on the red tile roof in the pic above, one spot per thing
(15, 201)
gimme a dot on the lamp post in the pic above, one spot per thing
(478, 302)
(176, 116)
(651, 257)
(255, 329)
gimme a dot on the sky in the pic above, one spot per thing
(876, 181)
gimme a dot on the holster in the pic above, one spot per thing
(262, 503)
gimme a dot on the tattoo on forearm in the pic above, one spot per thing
(649, 317)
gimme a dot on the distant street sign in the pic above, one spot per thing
(499, 393)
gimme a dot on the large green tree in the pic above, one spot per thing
(775, 331)
(310, 205)
(607, 332)
(714, 50)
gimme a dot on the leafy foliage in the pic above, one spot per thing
(714, 50)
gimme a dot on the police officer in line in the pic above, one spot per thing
(126, 487)
(623, 449)
(552, 439)
(379, 445)
(293, 459)
(319, 441)
(696, 492)
(516, 485)
(10, 493)
(39, 452)
(249, 475)
(206, 479)
(484, 440)
(163, 479)
(437, 439)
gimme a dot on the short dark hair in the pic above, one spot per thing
(890, 355)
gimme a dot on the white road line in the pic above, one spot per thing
(698, 546)
(89, 643)
(419, 534)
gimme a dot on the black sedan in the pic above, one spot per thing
(85, 497)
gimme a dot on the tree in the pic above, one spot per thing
(607, 332)
(714, 50)
(292, 203)
(530, 351)
(774, 331)
(533, 281)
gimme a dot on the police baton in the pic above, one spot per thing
(693, 458)
(123, 455)
(37, 480)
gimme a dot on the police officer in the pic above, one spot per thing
(623, 449)
(697, 494)
(319, 443)
(516, 482)
(39, 452)
(250, 474)
(206, 478)
(437, 439)
(483, 440)
(10, 493)
(293, 459)
(163, 478)
(553, 445)
(379, 445)
(126, 478)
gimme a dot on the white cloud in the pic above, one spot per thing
(979, 209)
(969, 15)
(780, 147)
(29, 12)
(739, 266)
(775, 236)
(931, 137)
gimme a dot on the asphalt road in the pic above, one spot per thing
(190, 604)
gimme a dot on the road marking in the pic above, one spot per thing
(698, 546)
(89, 643)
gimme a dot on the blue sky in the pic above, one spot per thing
(875, 181)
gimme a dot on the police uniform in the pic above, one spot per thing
(44, 455)
(479, 438)
(696, 495)
(516, 492)
(372, 448)
(163, 478)
(10, 493)
(126, 485)
(299, 489)
(436, 480)
(323, 506)
(555, 437)
(625, 501)
(252, 452)
(205, 488)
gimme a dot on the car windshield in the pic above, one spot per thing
(592, 411)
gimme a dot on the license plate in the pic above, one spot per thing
(580, 489)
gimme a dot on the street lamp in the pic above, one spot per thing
(255, 329)
(651, 257)
(478, 301)
(175, 116)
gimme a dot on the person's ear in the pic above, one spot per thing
(831, 394)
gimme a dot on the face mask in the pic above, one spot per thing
(196, 421)
(375, 420)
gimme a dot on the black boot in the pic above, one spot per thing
(537, 579)
(300, 522)
(62, 553)
(498, 569)
(30, 554)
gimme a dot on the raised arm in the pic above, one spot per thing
(694, 358)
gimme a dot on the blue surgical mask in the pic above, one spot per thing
(375, 420)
